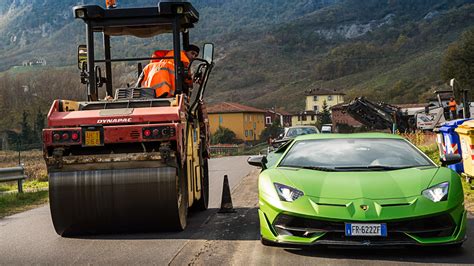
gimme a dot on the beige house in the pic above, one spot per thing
(306, 118)
(315, 99)
(246, 122)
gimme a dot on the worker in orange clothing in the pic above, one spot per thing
(452, 108)
(159, 75)
(111, 3)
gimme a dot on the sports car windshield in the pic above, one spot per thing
(354, 154)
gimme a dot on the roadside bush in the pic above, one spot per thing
(345, 128)
(431, 151)
(272, 131)
(420, 138)
(223, 136)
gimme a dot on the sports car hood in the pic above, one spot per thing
(393, 184)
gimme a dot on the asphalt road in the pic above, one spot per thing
(29, 237)
(211, 238)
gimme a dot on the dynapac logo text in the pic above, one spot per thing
(114, 121)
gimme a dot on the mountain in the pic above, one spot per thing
(387, 50)
(48, 26)
(269, 52)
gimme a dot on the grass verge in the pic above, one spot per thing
(35, 186)
(28, 185)
(11, 203)
(432, 152)
(468, 197)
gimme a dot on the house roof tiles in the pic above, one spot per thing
(323, 91)
(229, 107)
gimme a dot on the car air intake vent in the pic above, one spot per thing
(135, 134)
(331, 204)
(395, 204)
(134, 93)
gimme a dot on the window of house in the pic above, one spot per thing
(315, 98)
(330, 98)
(246, 133)
(312, 117)
(268, 120)
(220, 119)
(299, 118)
(250, 133)
(303, 117)
(315, 108)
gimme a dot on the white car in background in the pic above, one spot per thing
(293, 132)
(326, 128)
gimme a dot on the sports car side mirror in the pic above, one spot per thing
(450, 159)
(259, 160)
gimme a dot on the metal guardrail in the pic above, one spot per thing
(234, 149)
(13, 174)
(224, 150)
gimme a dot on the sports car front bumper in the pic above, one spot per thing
(443, 227)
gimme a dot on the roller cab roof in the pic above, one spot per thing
(142, 22)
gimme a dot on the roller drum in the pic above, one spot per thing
(117, 200)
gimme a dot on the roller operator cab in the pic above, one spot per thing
(132, 162)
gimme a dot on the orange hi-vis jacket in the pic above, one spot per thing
(452, 105)
(159, 75)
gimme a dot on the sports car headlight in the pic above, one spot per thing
(287, 193)
(437, 193)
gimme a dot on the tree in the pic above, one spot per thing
(324, 117)
(26, 133)
(223, 135)
(272, 131)
(38, 126)
(458, 61)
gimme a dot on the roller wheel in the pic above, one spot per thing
(118, 200)
(203, 202)
(182, 198)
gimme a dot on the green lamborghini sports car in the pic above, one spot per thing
(369, 189)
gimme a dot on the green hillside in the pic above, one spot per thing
(267, 52)
(397, 60)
